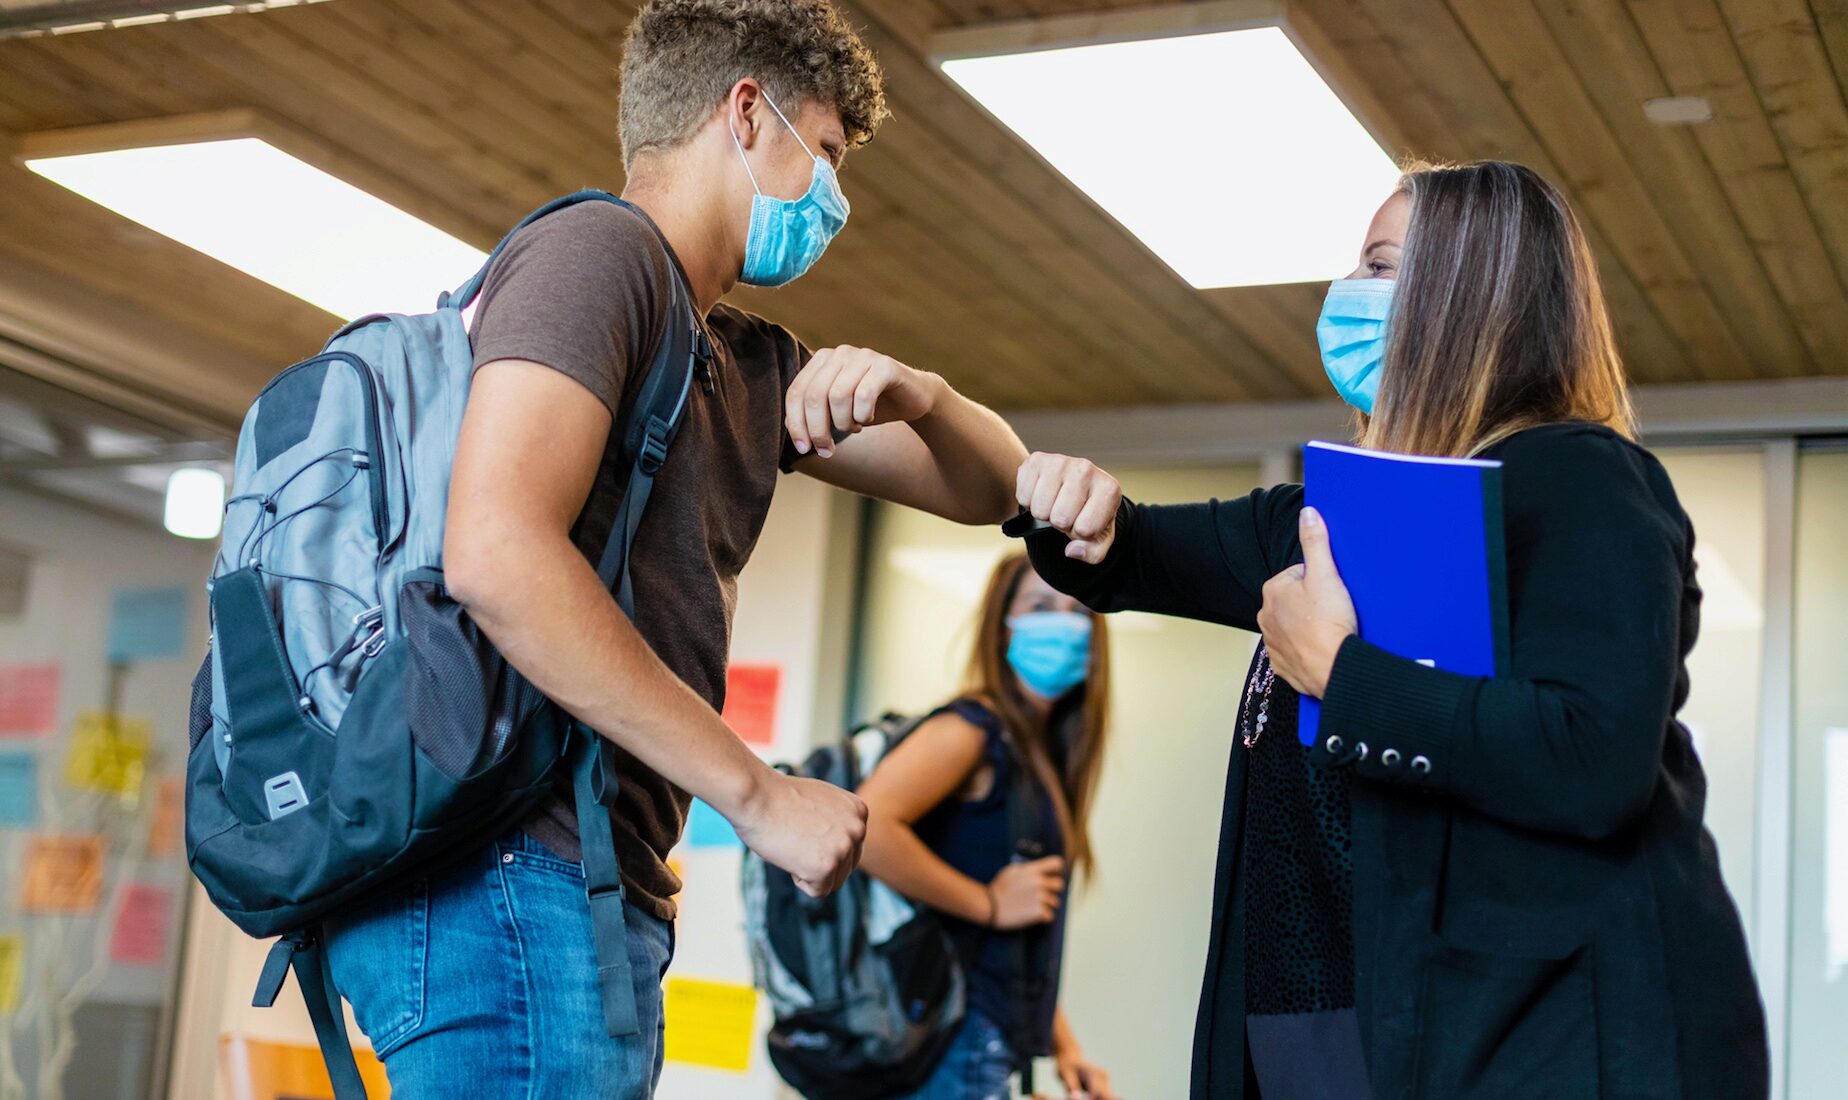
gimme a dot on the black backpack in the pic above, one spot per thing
(867, 989)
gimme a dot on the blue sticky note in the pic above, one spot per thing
(147, 624)
(706, 829)
(18, 788)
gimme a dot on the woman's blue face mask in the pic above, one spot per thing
(787, 236)
(1050, 650)
(1352, 333)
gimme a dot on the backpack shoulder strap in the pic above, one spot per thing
(648, 433)
(462, 296)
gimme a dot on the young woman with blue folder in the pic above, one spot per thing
(1468, 886)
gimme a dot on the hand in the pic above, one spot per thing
(1083, 1079)
(1307, 613)
(1075, 497)
(807, 827)
(1027, 893)
(846, 389)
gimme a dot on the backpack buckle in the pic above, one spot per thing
(654, 447)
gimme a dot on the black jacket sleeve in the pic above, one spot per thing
(1570, 739)
(1197, 561)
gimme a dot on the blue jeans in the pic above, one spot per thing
(976, 1067)
(482, 981)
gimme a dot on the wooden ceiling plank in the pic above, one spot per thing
(549, 97)
(1513, 39)
(45, 89)
(870, 186)
(291, 52)
(437, 68)
(218, 75)
(1785, 57)
(1617, 71)
(1832, 22)
(987, 157)
(1695, 51)
(1482, 122)
(588, 56)
(1292, 310)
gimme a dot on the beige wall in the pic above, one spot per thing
(1137, 936)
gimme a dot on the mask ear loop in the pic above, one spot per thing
(739, 145)
(786, 122)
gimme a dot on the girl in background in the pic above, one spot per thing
(1023, 742)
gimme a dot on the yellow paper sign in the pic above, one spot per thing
(12, 962)
(108, 753)
(710, 1023)
(63, 874)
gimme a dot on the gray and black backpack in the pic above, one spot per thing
(866, 987)
(351, 726)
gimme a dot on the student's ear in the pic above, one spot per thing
(744, 107)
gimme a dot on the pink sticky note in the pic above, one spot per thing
(28, 698)
(140, 936)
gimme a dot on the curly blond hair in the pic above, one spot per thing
(682, 57)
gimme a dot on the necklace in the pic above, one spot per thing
(1262, 679)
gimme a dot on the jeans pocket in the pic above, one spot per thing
(379, 953)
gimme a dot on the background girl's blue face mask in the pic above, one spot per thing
(1050, 650)
(1352, 333)
(787, 236)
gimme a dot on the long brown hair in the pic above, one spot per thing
(1081, 716)
(1498, 321)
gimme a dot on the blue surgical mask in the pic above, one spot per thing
(1050, 650)
(1352, 332)
(787, 236)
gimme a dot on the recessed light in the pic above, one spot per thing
(271, 215)
(1224, 152)
(1678, 110)
(195, 506)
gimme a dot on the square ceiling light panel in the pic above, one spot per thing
(1225, 153)
(273, 216)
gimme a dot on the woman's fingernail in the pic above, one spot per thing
(802, 446)
(824, 452)
(1312, 517)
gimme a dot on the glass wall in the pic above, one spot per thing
(1723, 492)
(1818, 1059)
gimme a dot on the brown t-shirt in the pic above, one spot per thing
(585, 292)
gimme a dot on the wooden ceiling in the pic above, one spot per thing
(1724, 246)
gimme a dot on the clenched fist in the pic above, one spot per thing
(846, 389)
(1074, 497)
(807, 827)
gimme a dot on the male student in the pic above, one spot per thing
(735, 114)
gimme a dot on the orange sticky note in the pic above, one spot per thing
(750, 701)
(167, 826)
(63, 874)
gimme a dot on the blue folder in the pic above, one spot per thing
(1418, 542)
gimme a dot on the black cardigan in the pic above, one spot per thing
(1537, 908)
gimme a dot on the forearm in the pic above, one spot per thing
(1537, 755)
(1063, 1040)
(541, 604)
(897, 857)
(975, 454)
